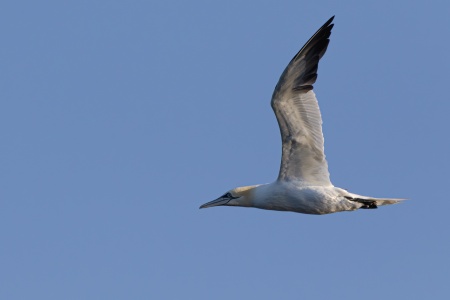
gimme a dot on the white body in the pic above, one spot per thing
(293, 196)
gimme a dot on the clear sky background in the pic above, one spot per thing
(119, 118)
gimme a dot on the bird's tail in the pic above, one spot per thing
(368, 202)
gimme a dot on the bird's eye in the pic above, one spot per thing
(227, 195)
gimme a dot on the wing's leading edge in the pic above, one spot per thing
(298, 115)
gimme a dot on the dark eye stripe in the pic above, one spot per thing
(227, 195)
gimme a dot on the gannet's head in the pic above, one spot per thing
(240, 196)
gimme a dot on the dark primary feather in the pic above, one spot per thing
(311, 53)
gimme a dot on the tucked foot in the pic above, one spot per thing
(367, 204)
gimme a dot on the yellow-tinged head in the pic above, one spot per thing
(240, 196)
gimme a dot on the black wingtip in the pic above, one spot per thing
(310, 54)
(322, 33)
(328, 24)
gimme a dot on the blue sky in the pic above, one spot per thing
(119, 118)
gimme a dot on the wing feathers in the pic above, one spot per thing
(298, 114)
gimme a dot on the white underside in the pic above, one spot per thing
(297, 197)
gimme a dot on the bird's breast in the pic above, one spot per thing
(302, 199)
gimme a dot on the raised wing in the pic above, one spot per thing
(298, 115)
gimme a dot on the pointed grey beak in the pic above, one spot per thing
(217, 202)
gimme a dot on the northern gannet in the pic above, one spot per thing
(303, 183)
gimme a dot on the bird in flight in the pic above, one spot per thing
(303, 183)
